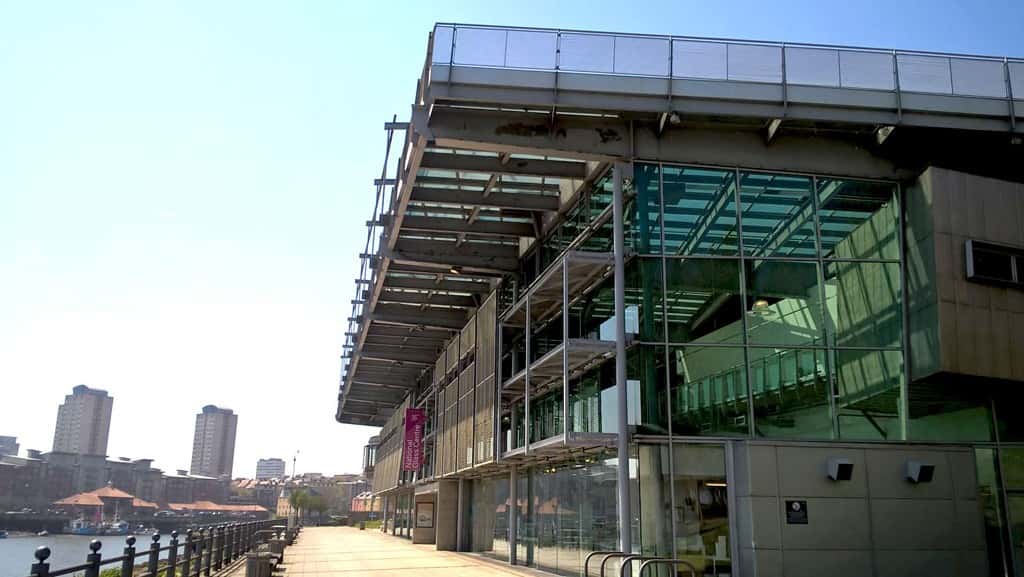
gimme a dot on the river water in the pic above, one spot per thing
(16, 551)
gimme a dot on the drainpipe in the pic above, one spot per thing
(622, 394)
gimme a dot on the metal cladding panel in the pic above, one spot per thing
(464, 455)
(388, 469)
(483, 435)
(451, 425)
(453, 354)
(468, 337)
(439, 369)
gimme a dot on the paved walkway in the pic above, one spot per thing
(321, 551)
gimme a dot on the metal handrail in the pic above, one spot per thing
(896, 60)
(726, 40)
(614, 555)
(203, 550)
(591, 555)
(629, 559)
(673, 562)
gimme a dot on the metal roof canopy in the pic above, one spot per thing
(497, 145)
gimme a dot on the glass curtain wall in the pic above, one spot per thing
(565, 512)
(781, 313)
(489, 516)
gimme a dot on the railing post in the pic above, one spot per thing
(229, 544)
(93, 559)
(172, 556)
(200, 545)
(235, 540)
(218, 546)
(186, 554)
(128, 564)
(225, 545)
(41, 568)
(154, 555)
(208, 546)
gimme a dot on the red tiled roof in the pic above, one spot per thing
(111, 493)
(81, 500)
(211, 506)
(141, 504)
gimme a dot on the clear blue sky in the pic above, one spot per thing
(183, 187)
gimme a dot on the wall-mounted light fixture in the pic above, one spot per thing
(918, 472)
(839, 469)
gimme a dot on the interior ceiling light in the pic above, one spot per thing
(760, 307)
(455, 269)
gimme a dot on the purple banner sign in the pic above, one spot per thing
(412, 453)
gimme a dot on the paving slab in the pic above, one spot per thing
(342, 551)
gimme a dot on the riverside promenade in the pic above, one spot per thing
(321, 551)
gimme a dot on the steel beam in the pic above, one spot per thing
(478, 184)
(493, 165)
(458, 225)
(433, 285)
(385, 313)
(427, 299)
(399, 353)
(496, 199)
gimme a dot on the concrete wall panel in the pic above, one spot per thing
(803, 472)
(832, 524)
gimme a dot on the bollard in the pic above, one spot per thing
(154, 555)
(128, 564)
(93, 559)
(41, 568)
(172, 556)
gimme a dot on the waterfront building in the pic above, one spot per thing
(213, 445)
(753, 306)
(9, 445)
(83, 422)
(39, 479)
(270, 468)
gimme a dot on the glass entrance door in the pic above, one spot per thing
(682, 495)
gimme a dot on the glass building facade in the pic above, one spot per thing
(790, 306)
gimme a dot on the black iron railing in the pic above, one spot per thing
(202, 552)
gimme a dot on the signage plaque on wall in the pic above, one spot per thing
(796, 512)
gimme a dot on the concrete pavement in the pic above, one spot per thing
(321, 551)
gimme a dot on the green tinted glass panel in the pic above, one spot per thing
(949, 407)
(790, 392)
(708, 386)
(700, 211)
(783, 303)
(646, 238)
(868, 385)
(862, 304)
(778, 215)
(857, 219)
(703, 300)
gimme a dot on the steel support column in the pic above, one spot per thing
(565, 350)
(460, 512)
(622, 394)
(513, 513)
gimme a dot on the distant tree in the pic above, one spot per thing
(298, 499)
(318, 505)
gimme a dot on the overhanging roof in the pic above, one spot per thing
(509, 124)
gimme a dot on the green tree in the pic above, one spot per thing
(298, 499)
(318, 505)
